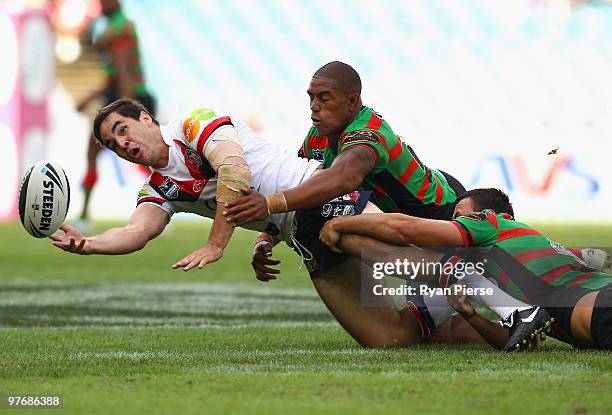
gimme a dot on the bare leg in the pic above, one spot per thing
(91, 177)
(455, 329)
(384, 326)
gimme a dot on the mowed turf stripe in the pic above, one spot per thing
(157, 305)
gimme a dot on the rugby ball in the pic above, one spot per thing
(44, 197)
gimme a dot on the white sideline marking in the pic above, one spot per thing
(216, 353)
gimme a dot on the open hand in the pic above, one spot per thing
(205, 255)
(71, 241)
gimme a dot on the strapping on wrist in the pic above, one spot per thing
(263, 237)
(276, 203)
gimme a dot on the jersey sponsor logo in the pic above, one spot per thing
(341, 206)
(191, 126)
(193, 158)
(363, 135)
(351, 197)
(169, 188)
(318, 154)
(335, 210)
(311, 264)
(198, 185)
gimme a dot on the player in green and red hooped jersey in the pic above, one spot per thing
(522, 260)
(119, 52)
(358, 149)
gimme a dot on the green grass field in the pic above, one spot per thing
(129, 335)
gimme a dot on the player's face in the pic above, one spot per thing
(132, 140)
(331, 109)
(464, 207)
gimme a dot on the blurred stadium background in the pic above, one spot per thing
(483, 89)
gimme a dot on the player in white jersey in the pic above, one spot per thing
(206, 158)
(189, 184)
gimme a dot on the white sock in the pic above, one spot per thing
(438, 308)
(499, 301)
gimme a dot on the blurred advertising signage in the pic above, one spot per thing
(561, 173)
(26, 76)
(563, 187)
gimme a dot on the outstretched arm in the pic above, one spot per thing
(345, 175)
(146, 223)
(226, 156)
(393, 228)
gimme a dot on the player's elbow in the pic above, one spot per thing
(135, 244)
(345, 181)
(140, 243)
(139, 238)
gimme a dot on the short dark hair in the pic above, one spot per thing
(489, 198)
(126, 107)
(348, 79)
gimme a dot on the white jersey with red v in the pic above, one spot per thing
(188, 183)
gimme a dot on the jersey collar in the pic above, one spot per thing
(166, 132)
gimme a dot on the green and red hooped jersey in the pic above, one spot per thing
(121, 36)
(399, 181)
(528, 265)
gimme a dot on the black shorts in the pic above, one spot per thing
(601, 320)
(414, 207)
(453, 183)
(316, 256)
